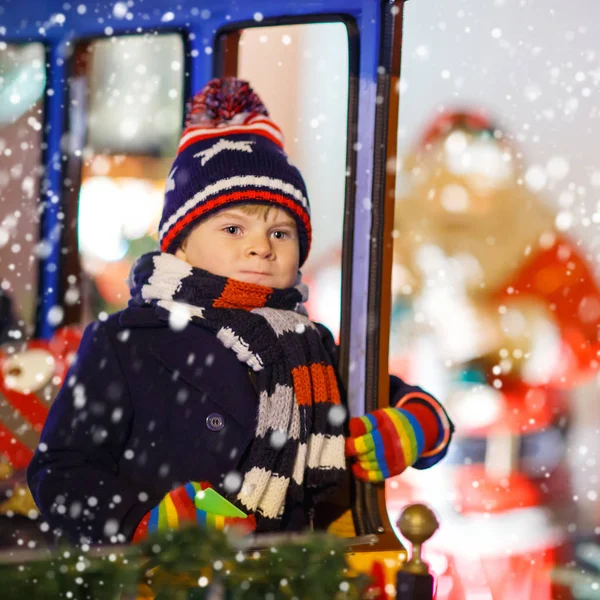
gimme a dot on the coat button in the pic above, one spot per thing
(215, 422)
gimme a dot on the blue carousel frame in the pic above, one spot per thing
(374, 30)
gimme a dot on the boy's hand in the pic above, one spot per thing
(183, 506)
(384, 442)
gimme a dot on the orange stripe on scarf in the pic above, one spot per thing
(302, 386)
(315, 383)
(332, 385)
(238, 294)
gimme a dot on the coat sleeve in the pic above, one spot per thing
(424, 406)
(74, 475)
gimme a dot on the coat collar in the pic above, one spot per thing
(141, 316)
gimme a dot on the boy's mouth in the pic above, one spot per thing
(254, 273)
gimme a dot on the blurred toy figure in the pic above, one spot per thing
(30, 375)
(496, 312)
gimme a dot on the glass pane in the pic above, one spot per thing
(301, 73)
(22, 84)
(135, 115)
(497, 294)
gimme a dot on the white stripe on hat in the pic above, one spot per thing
(256, 128)
(227, 184)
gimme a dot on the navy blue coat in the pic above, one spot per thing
(144, 409)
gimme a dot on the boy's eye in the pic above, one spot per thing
(281, 235)
(232, 229)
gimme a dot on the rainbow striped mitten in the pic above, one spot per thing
(193, 503)
(384, 443)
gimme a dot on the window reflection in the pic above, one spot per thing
(135, 112)
(302, 74)
(22, 84)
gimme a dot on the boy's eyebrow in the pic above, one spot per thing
(233, 213)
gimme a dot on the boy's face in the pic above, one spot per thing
(249, 248)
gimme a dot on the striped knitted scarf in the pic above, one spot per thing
(298, 447)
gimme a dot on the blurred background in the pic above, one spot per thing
(496, 279)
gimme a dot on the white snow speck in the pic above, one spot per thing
(111, 527)
(564, 220)
(278, 439)
(55, 316)
(532, 92)
(232, 482)
(79, 394)
(179, 317)
(337, 415)
(42, 249)
(558, 167)
(536, 178)
(120, 10)
(423, 52)
(72, 296)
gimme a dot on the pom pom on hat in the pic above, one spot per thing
(230, 152)
(221, 101)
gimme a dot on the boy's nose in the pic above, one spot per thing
(259, 246)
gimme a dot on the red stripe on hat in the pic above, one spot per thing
(220, 201)
(18, 454)
(240, 131)
(28, 405)
(266, 121)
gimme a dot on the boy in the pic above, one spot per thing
(213, 383)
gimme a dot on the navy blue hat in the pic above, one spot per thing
(230, 152)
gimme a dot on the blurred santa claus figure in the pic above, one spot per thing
(496, 312)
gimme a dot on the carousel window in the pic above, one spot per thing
(22, 84)
(301, 71)
(125, 117)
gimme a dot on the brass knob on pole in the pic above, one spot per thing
(417, 524)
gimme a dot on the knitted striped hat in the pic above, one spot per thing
(230, 152)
